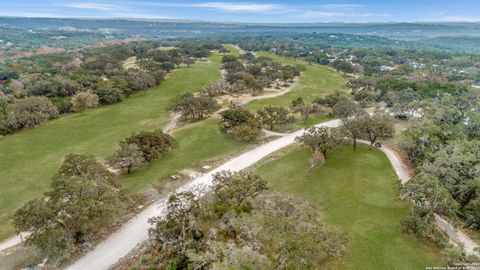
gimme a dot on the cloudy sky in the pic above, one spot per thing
(252, 11)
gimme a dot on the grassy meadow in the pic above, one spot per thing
(356, 192)
(316, 81)
(29, 158)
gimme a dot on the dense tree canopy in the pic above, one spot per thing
(83, 202)
(240, 123)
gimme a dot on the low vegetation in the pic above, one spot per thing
(240, 123)
(356, 192)
(240, 224)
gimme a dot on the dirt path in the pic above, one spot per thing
(268, 93)
(135, 231)
(172, 123)
(404, 175)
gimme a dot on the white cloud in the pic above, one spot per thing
(221, 6)
(455, 19)
(322, 14)
(241, 7)
(95, 6)
(29, 14)
(341, 6)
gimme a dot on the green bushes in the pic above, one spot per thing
(192, 107)
(30, 112)
(242, 224)
(153, 144)
(240, 123)
(138, 149)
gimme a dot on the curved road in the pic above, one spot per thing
(456, 235)
(135, 231)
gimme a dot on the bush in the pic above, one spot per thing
(195, 107)
(30, 112)
(153, 144)
(108, 94)
(63, 104)
(4, 127)
(240, 123)
(129, 157)
(83, 101)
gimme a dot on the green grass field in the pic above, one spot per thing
(316, 81)
(357, 193)
(29, 159)
(198, 143)
(232, 48)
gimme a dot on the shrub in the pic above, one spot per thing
(129, 157)
(108, 94)
(30, 112)
(153, 144)
(240, 123)
(83, 101)
(63, 104)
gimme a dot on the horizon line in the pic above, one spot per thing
(235, 22)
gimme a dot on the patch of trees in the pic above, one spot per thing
(194, 107)
(343, 66)
(445, 154)
(274, 115)
(29, 112)
(84, 201)
(304, 109)
(74, 80)
(248, 73)
(141, 148)
(240, 223)
(240, 123)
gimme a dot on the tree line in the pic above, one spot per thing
(38, 88)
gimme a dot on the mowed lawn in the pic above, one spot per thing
(357, 193)
(316, 81)
(198, 144)
(30, 158)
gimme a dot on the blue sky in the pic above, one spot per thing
(299, 11)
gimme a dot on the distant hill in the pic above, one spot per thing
(33, 32)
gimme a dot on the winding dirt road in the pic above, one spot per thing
(456, 235)
(135, 231)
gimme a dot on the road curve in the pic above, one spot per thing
(456, 235)
(134, 232)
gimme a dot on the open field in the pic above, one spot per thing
(29, 159)
(316, 81)
(198, 143)
(357, 193)
(131, 62)
(233, 49)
